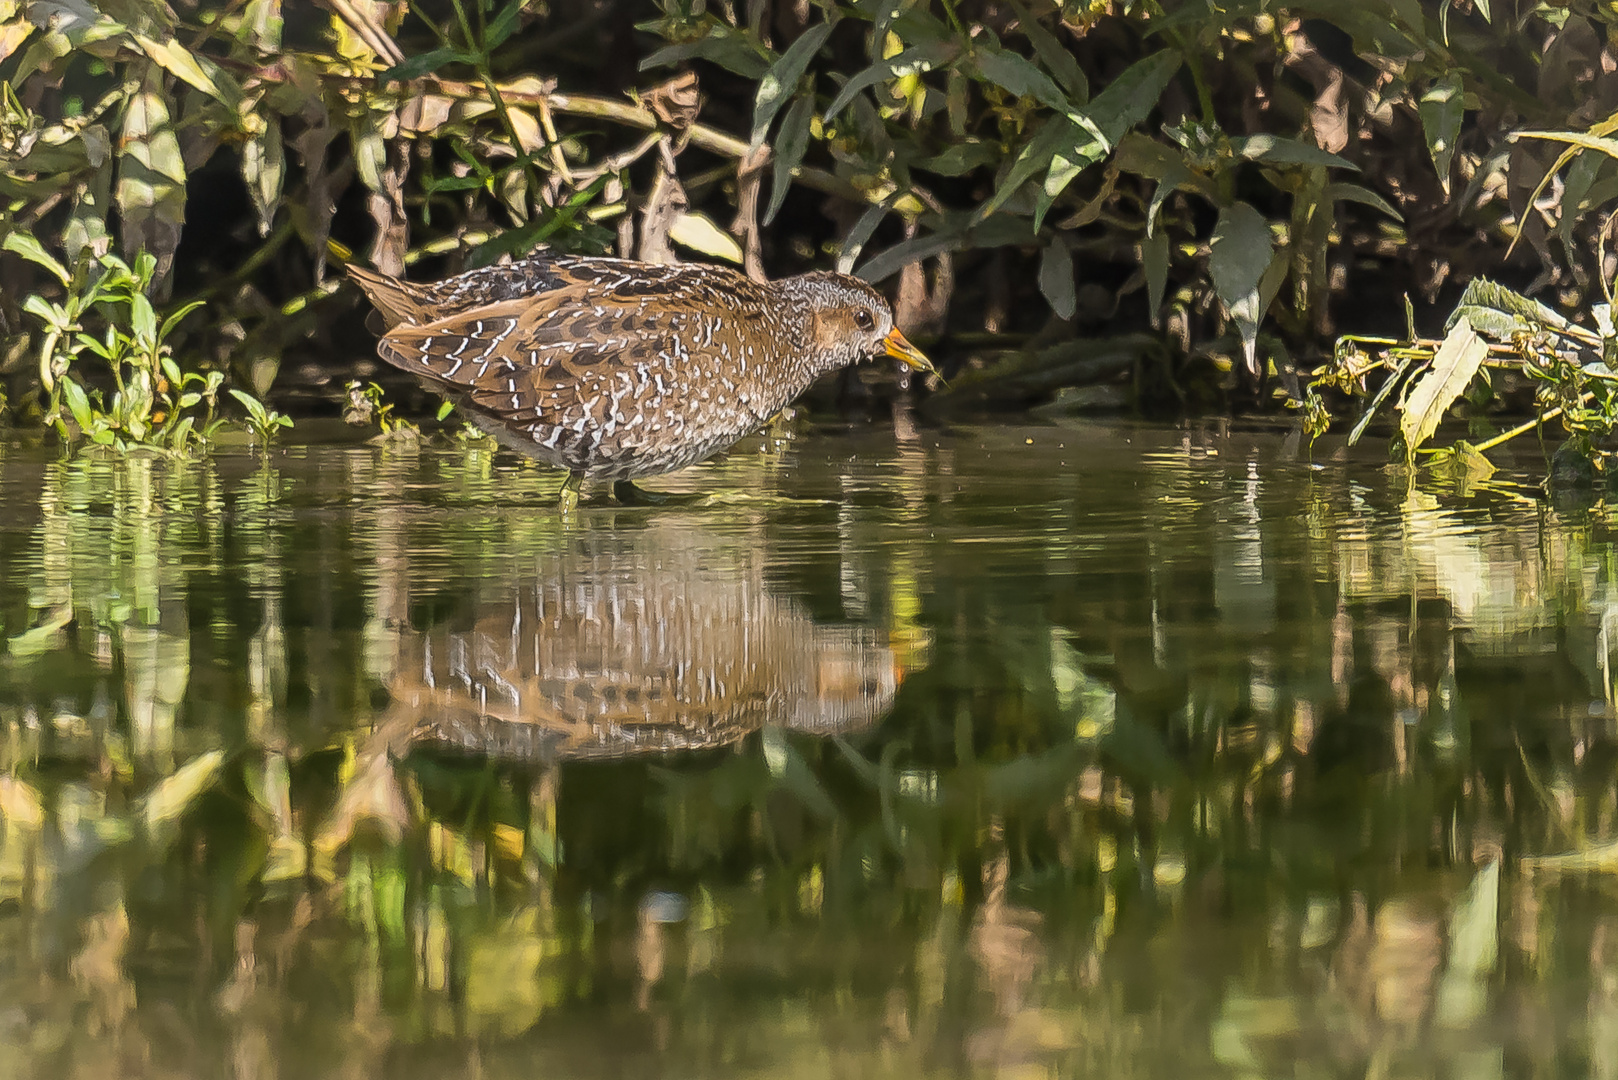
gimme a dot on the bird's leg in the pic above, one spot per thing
(627, 493)
(568, 502)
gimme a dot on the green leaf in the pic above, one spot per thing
(1356, 193)
(78, 404)
(24, 244)
(790, 144)
(1442, 109)
(46, 312)
(179, 62)
(783, 77)
(444, 410)
(176, 318)
(1155, 261)
(960, 158)
(424, 64)
(723, 46)
(1239, 254)
(1059, 60)
(1446, 379)
(917, 59)
(1276, 150)
(1056, 278)
(503, 25)
(1019, 76)
(1132, 96)
(863, 230)
(254, 407)
(264, 170)
(1177, 175)
(143, 320)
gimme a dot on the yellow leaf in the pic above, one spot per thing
(699, 233)
(1451, 372)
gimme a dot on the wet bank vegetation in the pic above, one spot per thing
(1173, 207)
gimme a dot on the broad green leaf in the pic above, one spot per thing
(1002, 230)
(1446, 379)
(783, 77)
(264, 170)
(1276, 150)
(1239, 254)
(1442, 109)
(1056, 278)
(78, 404)
(151, 172)
(1581, 177)
(28, 247)
(143, 320)
(1059, 135)
(790, 143)
(1154, 253)
(699, 233)
(916, 60)
(1483, 293)
(1061, 63)
(1356, 193)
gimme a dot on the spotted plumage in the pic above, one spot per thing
(617, 370)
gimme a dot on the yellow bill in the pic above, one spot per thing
(906, 353)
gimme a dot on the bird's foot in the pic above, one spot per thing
(627, 493)
(568, 502)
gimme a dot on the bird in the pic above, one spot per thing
(617, 370)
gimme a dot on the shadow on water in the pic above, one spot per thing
(1051, 751)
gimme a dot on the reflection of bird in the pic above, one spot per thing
(636, 643)
(616, 370)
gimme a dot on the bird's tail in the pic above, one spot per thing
(396, 301)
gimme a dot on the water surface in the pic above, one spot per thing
(1058, 751)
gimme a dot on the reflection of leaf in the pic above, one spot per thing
(793, 773)
(175, 793)
(1431, 395)
(1474, 946)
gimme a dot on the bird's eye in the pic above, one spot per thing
(863, 320)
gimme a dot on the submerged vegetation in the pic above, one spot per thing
(1199, 198)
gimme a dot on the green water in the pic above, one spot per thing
(1089, 751)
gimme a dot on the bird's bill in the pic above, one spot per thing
(901, 350)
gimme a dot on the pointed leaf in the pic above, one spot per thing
(264, 169)
(1061, 63)
(151, 172)
(24, 244)
(783, 77)
(1155, 261)
(790, 143)
(1277, 150)
(1431, 395)
(1239, 254)
(1056, 278)
(1442, 109)
(424, 64)
(1356, 193)
(918, 59)
(1019, 76)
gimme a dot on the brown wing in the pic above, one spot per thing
(543, 355)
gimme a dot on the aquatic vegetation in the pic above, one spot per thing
(1495, 337)
(151, 401)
